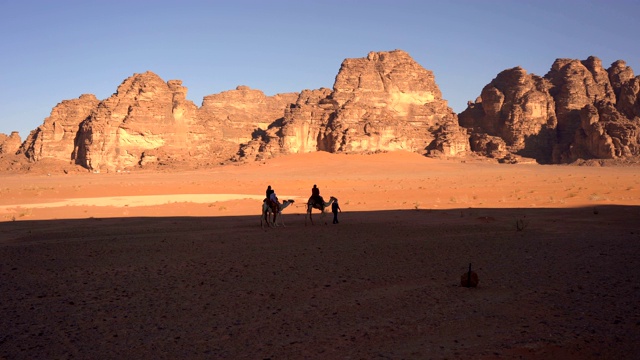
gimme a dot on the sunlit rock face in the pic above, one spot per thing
(578, 110)
(517, 108)
(9, 144)
(576, 84)
(55, 138)
(384, 102)
(605, 133)
(137, 118)
(234, 118)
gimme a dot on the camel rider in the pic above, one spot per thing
(268, 198)
(273, 202)
(315, 195)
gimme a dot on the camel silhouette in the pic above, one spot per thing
(266, 211)
(313, 205)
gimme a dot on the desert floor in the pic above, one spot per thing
(165, 265)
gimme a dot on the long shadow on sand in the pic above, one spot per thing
(382, 284)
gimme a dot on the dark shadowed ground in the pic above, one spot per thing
(378, 285)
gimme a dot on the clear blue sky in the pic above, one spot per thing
(57, 50)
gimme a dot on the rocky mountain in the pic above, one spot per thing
(149, 122)
(578, 110)
(382, 102)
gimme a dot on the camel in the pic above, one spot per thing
(312, 205)
(266, 210)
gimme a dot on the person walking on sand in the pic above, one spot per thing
(334, 209)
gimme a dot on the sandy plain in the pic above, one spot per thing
(165, 265)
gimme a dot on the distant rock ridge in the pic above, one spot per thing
(382, 102)
(578, 110)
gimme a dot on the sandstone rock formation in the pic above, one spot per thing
(238, 113)
(9, 144)
(384, 102)
(144, 114)
(238, 116)
(517, 108)
(627, 89)
(605, 134)
(576, 84)
(149, 122)
(578, 110)
(55, 138)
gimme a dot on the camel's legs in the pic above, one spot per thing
(309, 211)
(264, 218)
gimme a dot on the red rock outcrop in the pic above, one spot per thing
(238, 116)
(389, 102)
(629, 98)
(144, 114)
(605, 134)
(576, 84)
(55, 138)
(238, 113)
(517, 108)
(578, 110)
(384, 102)
(9, 144)
(488, 145)
(297, 132)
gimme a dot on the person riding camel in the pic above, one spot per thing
(315, 196)
(273, 204)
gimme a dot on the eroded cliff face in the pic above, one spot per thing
(9, 144)
(517, 108)
(578, 110)
(149, 122)
(55, 138)
(145, 114)
(387, 102)
(384, 102)
(238, 116)
(627, 89)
